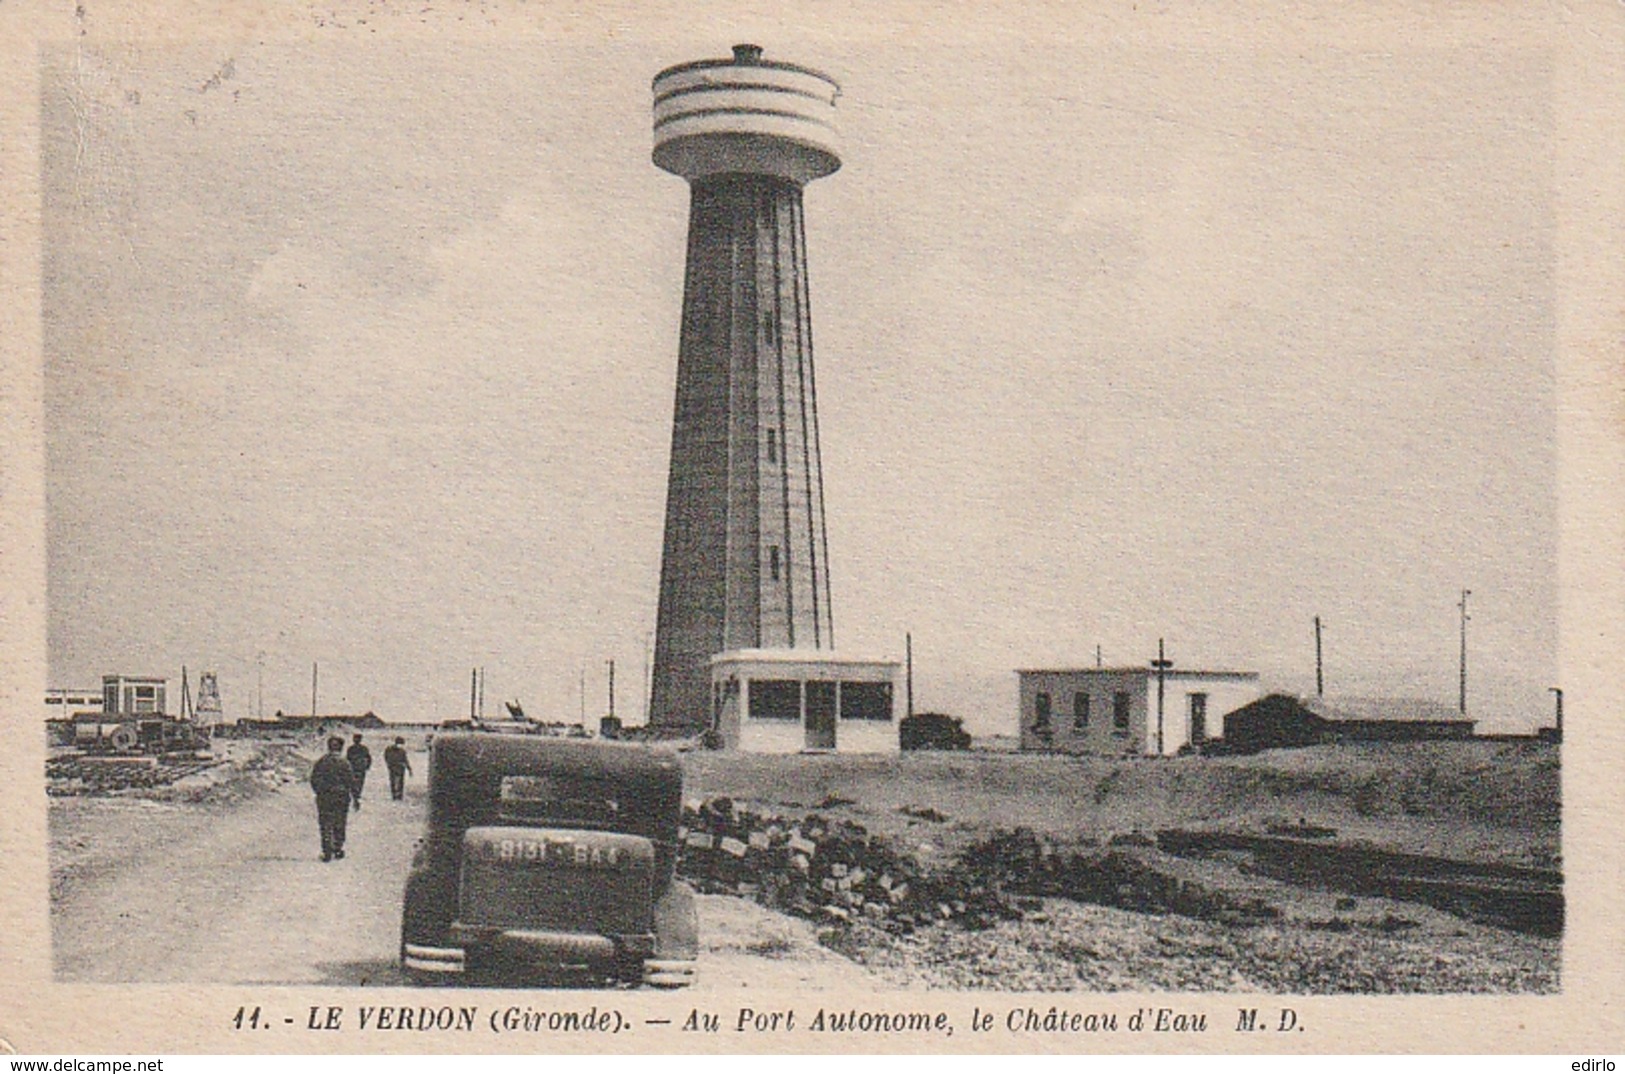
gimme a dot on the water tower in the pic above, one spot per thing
(745, 561)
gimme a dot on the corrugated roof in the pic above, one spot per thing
(1389, 709)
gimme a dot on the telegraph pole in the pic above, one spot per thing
(473, 692)
(908, 651)
(648, 683)
(1320, 677)
(313, 689)
(612, 687)
(1557, 692)
(1162, 664)
(1465, 593)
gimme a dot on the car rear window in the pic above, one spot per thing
(550, 799)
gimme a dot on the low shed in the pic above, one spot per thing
(1273, 722)
(1393, 719)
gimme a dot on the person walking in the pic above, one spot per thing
(360, 758)
(399, 768)
(332, 779)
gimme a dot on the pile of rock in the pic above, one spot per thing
(1119, 874)
(837, 872)
(77, 775)
(828, 870)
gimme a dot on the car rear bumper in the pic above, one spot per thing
(669, 972)
(547, 949)
(438, 960)
(537, 946)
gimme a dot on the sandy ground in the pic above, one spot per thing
(248, 900)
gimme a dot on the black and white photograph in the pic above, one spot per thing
(651, 512)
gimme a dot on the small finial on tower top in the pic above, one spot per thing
(747, 54)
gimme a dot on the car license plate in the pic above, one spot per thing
(558, 852)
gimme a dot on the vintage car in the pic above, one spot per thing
(547, 856)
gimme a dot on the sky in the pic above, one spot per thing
(363, 352)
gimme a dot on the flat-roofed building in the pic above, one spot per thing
(1391, 719)
(62, 702)
(1120, 711)
(798, 701)
(134, 694)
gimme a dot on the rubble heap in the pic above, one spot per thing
(67, 776)
(834, 871)
(838, 873)
(1118, 875)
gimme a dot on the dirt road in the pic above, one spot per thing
(242, 896)
(159, 892)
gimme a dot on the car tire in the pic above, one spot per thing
(677, 939)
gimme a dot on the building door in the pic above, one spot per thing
(820, 716)
(1198, 719)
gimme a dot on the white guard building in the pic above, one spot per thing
(1115, 711)
(800, 700)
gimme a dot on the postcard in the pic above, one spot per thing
(865, 528)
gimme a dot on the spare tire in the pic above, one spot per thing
(125, 739)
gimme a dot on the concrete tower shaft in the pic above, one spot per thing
(745, 554)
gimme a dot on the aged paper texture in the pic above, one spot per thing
(1211, 462)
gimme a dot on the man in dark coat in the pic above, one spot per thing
(332, 780)
(399, 767)
(360, 758)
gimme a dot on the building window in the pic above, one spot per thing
(1080, 711)
(1120, 706)
(772, 445)
(773, 561)
(775, 699)
(1041, 713)
(865, 700)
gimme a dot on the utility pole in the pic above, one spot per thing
(581, 694)
(648, 683)
(1465, 593)
(1097, 656)
(612, 687)
(313, 668)
(473, 692)
(1320, 676)
(259, 687)
(1557, 691)
(1162, 664)
(908, 656)
(482, 693)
